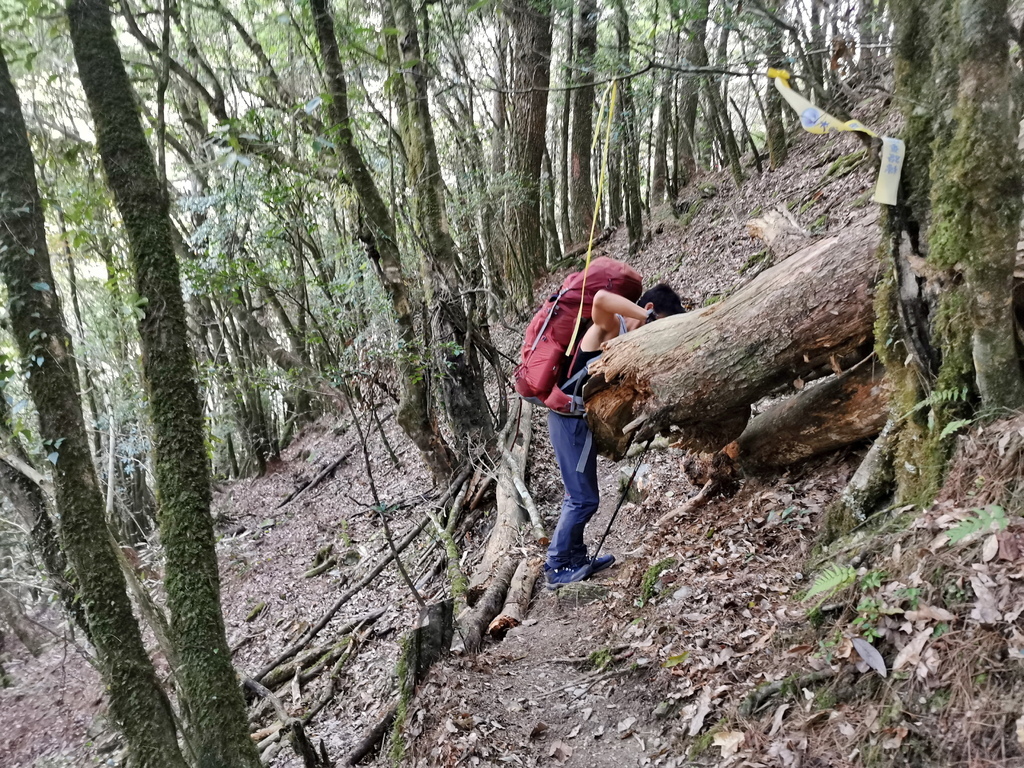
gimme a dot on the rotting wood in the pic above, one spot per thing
(517, 602)
(316, 480)
(700, 372)
(690, 505)
(511, 515)
(504, 537)
(300, 742)
(474, 624)
(846, 409)
(780, 231)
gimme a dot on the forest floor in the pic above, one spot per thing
(654, 661)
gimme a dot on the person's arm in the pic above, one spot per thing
(607, 305)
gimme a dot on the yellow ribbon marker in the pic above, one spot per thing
(815, 120)
(612, 89)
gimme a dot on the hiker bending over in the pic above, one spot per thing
(572, 440)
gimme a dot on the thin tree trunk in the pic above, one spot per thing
(564, 161)
(380, 238)
(137, 702)
(582, 192)
(697, 53)
(629, 135)
(775, 129)
(206, 677)
(461, 376)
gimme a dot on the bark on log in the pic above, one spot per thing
(511, 515)
(474, 624)
(517, 602)
(504, 537)
(701, 371)
(843, 410)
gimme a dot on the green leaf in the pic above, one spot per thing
(674, 661)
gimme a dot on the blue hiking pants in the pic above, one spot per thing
(577, 460)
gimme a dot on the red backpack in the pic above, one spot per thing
(550, 332)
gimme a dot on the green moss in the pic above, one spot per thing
(826, 699)
(691, 213)
(712, 299)
(651, 577)
(846, 164)
(600, 658)
(403, 671)
(256, 611)
(863, 199)
(701, 745)
(707, 189)
(758, 258)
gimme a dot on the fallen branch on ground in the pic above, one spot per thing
(517, 603)
(316, 480)
(400, 545)
(373, 738)
(285, 671)
(757, 699)
(300, 742)
(474, 625)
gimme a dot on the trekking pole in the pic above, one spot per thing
(622, 498)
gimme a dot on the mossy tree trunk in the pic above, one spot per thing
(414, 414)
(137, 702)
(206, 678)
(945, 327)
(775, 130)
(461, 376)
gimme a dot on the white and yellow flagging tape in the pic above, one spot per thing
(815, 120)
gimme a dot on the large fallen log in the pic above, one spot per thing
(701, 371)
(845, 409)
(511, 517)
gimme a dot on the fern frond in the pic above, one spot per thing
(940, 397)
(991, 517)
(831, 580)
(955, 426)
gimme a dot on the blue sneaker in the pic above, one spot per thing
(601, 562)
(559, 577)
